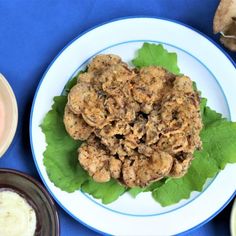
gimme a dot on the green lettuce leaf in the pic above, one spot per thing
(137, 190)
(156, 55)
(107, 192)
(60, 157)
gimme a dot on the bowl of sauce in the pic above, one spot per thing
(26, 208)
(17, 216)
(8, 115)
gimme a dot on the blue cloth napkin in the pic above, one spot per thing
(33, 32)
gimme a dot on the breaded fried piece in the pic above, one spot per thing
(150, 86)
(140, 125)
(75, 125)
(140, 170)
(80, 96)
(84, 100)
(95, 160)
(180, 165)
(101, 62)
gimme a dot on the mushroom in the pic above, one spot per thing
(80, 96)
(75, 125)
(225, 23)
(180, 166)
(228, 39)
(146, 130)
(95, 160)
(141, 171)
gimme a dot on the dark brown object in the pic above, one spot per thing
(36, 196)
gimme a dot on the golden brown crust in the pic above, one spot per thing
(140, 170)
(144, 124)
(75, 125)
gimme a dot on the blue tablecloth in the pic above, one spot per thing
(33, 32)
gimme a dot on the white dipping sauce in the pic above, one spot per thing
(17, 217)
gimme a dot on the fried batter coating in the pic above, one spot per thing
(139, 125)
(94, 158)
(180, 165)
(80, 95)
(150, 86)
(102, 62)
(75, 125)
(140, 170)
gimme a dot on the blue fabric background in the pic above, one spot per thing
(33, 32)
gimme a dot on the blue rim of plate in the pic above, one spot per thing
(39, 85)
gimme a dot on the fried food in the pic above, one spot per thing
(75, 125)
(225, 23)
(139, 125)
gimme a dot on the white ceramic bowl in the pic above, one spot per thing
(233, 220)
(8, 100)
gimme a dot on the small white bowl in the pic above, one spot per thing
(8, 100)
(233, 220)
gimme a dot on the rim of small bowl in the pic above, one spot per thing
(42, 189)
(233, 219)
(12, 99)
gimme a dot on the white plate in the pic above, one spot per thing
(198, 58)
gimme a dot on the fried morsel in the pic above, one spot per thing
(139, 127)
(115, 167)
(149, 87)
(95, 160)
(80, 96)
(112, 144)
(101, 62)
(95, 116)
(180, 166)
(145, 150)
(180, 117)
(152, 133)
(84, 100)
(112, 129)
(144, 124)
(174, 143)
(75, 125)
(183, 84)
(140, 170)
(86, 78)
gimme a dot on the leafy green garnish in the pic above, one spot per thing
(107, 192)
(137, 190)
(61, 158)
(156, 55)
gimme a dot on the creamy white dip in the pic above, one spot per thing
(17, 217)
